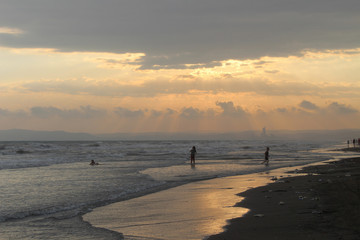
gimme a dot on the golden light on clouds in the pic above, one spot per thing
(274, 86)
(11, 31)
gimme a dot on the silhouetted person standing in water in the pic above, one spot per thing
(192, 155)
(266, 160)
(93, 163)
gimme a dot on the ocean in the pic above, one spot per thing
(46, 187)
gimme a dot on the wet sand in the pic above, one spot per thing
(323, 204)
(191, 211)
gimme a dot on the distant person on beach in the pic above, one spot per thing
(192, 155)
(266, 160)
(92, 163)
(354, 142)
(348, 142)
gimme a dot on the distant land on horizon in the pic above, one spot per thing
(30, 135)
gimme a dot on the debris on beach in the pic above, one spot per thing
(316, 212)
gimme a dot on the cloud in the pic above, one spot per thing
(182, 65)
(169, 112)
(227, 117)
(82, 112)
(338, 108)
(282, 110)
(13, 114)
(178, 34)
(228, 109)
(260, 63)
(151, 88)
(331, 109)
(272, 71)
(125, 113)
(155, 113)
(10, 31)
(308, 105)
(191, 113)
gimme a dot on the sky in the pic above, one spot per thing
(179, 66)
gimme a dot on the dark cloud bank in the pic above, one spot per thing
(174, 33)
(227, 109)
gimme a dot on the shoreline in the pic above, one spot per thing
(324, 204)
(172, 217)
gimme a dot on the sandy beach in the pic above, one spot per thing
(323, 204)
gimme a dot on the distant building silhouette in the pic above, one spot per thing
(263, 133)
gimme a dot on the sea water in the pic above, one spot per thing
(46, 187)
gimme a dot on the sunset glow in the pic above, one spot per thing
(91, 88)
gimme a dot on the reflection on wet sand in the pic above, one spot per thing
(191, 211)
